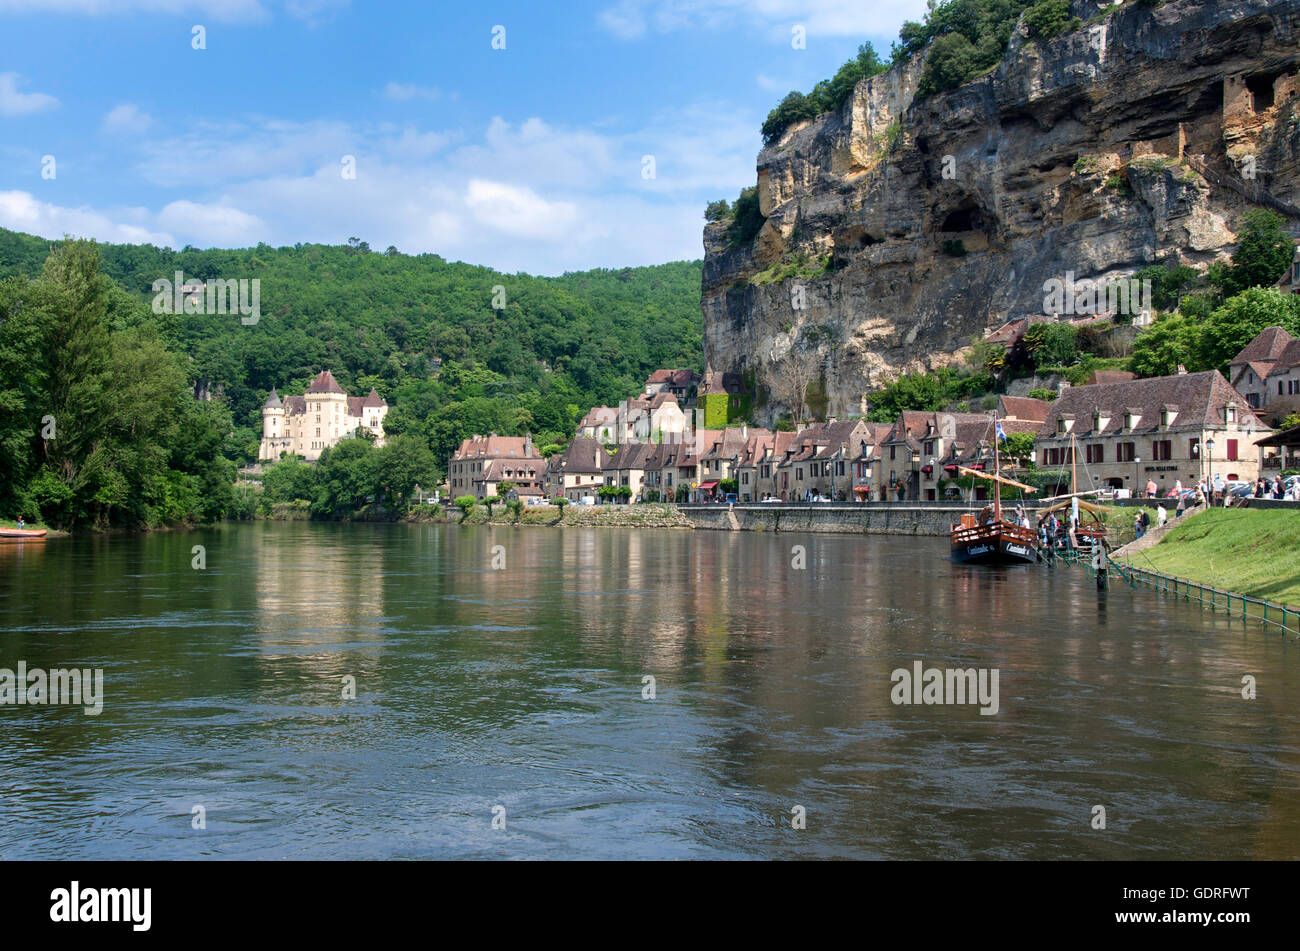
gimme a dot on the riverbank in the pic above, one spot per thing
(1245, 551)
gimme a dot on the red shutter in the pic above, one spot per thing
(1232, 450)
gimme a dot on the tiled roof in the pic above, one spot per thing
(1288, 358)
(1199, 398)
(1023, 407)
(583, 455)
(1267, 346)
(272, 401)
(374, 399)
(324, 382)
(1110, 376)
(494, 446)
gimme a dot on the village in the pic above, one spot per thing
(1120, 435)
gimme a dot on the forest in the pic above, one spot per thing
(454, 348)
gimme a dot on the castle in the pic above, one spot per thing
(307, 425)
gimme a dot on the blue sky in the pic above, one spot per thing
(527, 158)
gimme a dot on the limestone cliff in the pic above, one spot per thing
(1131, 140)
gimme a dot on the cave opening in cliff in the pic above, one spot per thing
(963, 219)
(1261, 90)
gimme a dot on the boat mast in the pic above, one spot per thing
(1074, 467)
(997, 472)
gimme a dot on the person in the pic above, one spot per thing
(1182, 504)
(1200, 495)
(1161, 516)
(1146, 521)
(1178, 486)
(1137, 525)
(1151, 488)
(21, 523)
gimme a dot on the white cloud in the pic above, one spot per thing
(632, 19)
(404, 92)
(126, 118)
(515, 195)
(15, 103)
(519, 212)
(217, 224)
(20, 211)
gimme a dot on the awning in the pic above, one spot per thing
(862, 489)
(949, 468)
(708, 485)
(927, 469)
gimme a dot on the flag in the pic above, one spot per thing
(1001, 434)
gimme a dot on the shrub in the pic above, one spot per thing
(466, 503)
(954, 248)
(1047, 18)
(747, 218)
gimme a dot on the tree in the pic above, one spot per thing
(404, 462)
(347, 476)
(790, 377)
(1264, 252)
(1166, 345)
(717, 210)
(911, 391)
(1240, 320)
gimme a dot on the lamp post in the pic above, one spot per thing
(1209, 467)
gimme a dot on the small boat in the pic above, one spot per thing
(21, 534)
(1083, 535)
(989, 539)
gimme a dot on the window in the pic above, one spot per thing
(1194, 447)
(798, 475)
(1060, 427)
(1232, 450)
(928, 448)
(1128, 421)
(1162, 450)
(1231, 413)
(892, 453)
(1125, 452)
(1096, 453)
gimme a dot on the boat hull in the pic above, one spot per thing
(993, 545)
(21, 535)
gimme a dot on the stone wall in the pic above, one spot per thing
(884, 518)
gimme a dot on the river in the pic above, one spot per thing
(502, 711)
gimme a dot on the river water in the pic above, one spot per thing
(516, 693)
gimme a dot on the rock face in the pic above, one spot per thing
(1142, 137)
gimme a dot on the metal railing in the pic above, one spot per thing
(1233, 604)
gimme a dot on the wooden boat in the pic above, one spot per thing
(21, 534)
(1084, 533)
(989, 539)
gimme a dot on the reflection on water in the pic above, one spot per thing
(523, 687)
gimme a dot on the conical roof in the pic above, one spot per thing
(273, 401)
(374, 399)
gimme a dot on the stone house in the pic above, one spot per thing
(1157, 429)
(474, 470)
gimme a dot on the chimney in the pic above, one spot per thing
(528, 444)
(744, 431)
(1182, 370)
(1062, 387)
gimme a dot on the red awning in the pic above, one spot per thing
(927, 469)
(862, 489)
(708, 485)
(949, 468)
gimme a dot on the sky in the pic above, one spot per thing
(537, 137)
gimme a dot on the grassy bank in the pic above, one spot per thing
(1245, 552)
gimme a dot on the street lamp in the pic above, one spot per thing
(1209, 464)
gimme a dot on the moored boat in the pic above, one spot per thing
(21, 534)
(990, 539)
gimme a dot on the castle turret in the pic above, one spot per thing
(275, 438)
